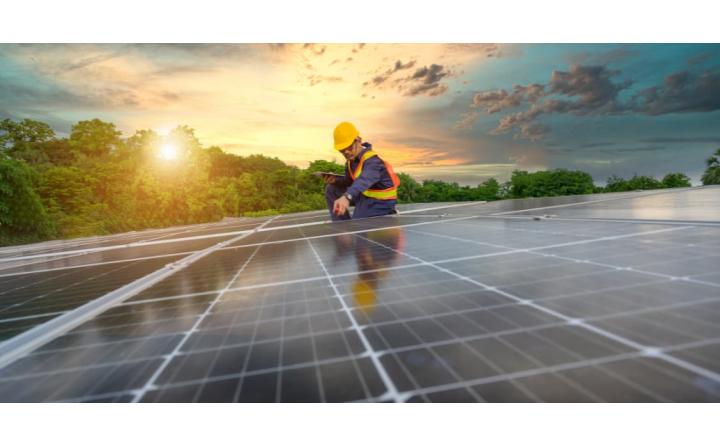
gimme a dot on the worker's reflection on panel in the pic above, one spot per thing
(375, 252)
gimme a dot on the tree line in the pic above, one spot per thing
(95, 182)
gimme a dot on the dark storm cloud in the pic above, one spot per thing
(593, 90)
(582, 90)
(592, 85)
(681, 92)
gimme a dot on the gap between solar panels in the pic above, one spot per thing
(392, 391)
(506, 252)
(510, 251)
(260, 228)
(28, 341)
(649, 351)
(533, 250)
(611, 220)
(150, 384)
(616, 198)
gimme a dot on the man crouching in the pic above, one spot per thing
(369, 182)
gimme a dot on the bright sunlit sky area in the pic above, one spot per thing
(457, 112)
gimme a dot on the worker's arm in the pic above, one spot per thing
(371, 174)
(344, 181)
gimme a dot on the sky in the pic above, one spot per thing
(455, 112)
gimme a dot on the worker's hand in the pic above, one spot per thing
(329, 179)
(341, 205)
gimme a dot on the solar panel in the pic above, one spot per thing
(611, 297)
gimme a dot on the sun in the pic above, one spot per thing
(168, 152)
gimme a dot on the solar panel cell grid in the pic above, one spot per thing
(413, 308)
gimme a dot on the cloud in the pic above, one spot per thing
(604, 57)
(315, 48)
(593, 85)
(681, 92)
(580, 91)
(381, 78)
(485, 49)
(316, 79)
(495, 101)
(701, 58)
(425, 80)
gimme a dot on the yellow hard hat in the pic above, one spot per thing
(344, 134)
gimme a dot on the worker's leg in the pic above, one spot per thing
(333, 192)
(366, 207)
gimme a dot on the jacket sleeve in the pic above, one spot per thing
(346, 181)
(370, 175)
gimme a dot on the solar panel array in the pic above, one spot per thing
(612, 297)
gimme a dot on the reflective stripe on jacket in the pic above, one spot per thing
(385, 194)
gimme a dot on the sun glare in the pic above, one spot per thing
(168, 152)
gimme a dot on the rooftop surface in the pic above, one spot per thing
(608, 297)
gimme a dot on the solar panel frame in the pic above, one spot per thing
(434, 337)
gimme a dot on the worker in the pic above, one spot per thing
(369, 182)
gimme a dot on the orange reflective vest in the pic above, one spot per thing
(384, 194)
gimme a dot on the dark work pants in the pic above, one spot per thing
(364, 206)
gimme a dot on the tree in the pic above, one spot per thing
(94, 138)
(672, 180)
(712, 174)
(550, 183)
(22, 214)
(68, 194)
(487, 191)
(409, 189)
(618, 184)
(321, 165)
(23, 140)
(18, 135)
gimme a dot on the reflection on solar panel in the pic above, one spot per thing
(610, 297)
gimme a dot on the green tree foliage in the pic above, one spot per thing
(96, 182)
(672, 180)
(94, 137)
(712, 173)
(24, 140)
(326, 166)
(22, 214)
(550, 183)
(16, 136)
(437, 191)
(618, 184)
(68, 194)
